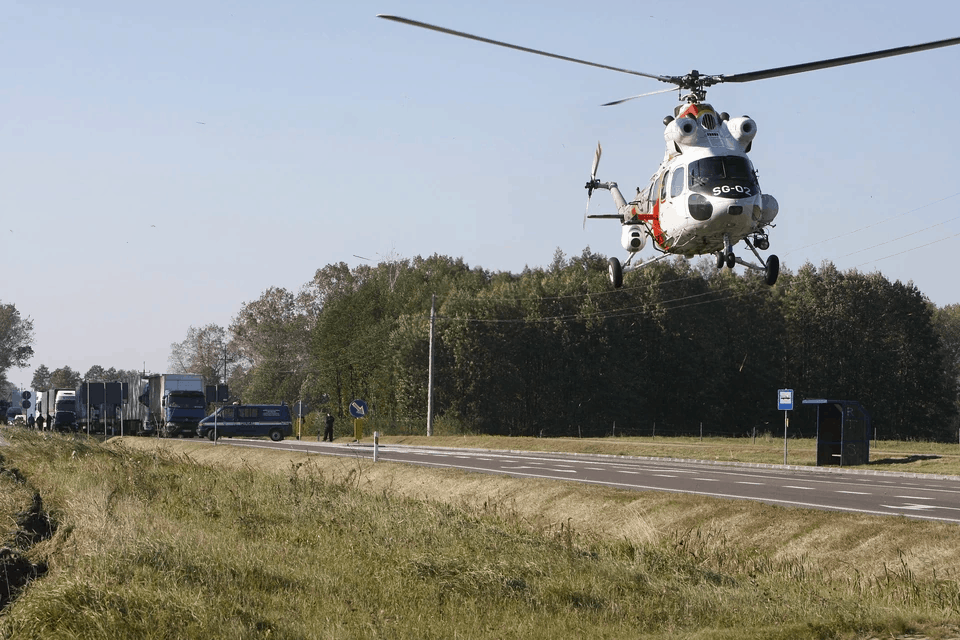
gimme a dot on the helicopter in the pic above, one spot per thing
(705, 196)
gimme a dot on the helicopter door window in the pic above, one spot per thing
(676, 182)
(663, 187)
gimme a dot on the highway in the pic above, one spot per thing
(918, 496)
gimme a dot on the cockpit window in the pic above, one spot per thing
(724, 176)
(676, 182)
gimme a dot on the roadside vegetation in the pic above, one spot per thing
(181, 539)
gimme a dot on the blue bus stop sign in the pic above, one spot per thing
(785, 400)
(358, 409)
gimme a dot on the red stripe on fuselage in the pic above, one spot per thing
(653, 218)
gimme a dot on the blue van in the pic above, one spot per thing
(248, 420)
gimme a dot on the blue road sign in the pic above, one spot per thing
(301, 409)
(785, 400)
(358, 409)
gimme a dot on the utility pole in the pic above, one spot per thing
(433, 322)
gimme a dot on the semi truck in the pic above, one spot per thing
(98, 406)
(58, 408)
(175, 403)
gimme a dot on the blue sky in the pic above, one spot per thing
(328, 133)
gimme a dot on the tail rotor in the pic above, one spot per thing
(593, 183)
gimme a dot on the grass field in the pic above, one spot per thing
(179, 539)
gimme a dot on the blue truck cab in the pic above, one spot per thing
(248, 420)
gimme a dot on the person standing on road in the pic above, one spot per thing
(40, 422)
(328, 431)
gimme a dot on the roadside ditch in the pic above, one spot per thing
(33, 525)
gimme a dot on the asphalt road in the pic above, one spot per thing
(881, 493)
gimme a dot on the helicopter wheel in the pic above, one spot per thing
(616, 273)
(772, 269)
(731, 260)
(720, 260)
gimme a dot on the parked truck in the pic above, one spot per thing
(98, 406)
(58, 408)
(175, 402)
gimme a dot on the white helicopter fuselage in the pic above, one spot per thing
(703, 199)
(705, 194)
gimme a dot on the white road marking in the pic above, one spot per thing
(760, 484)
(909, 507)
(793, 487)
(912, 498)
(664, 475)
(856, 493)
(706, 480)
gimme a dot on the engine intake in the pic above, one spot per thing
(682, 131)
(743, 129)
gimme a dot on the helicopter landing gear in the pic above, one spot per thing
(772, 270)
(720, 260)
(616, 273)
(770, 267)
(727, 256)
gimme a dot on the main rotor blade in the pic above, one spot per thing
(642, 95)
(835, 62)
(424, 25)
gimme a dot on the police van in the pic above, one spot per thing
(248, 420)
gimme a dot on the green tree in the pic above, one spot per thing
(65, 378)
(41, 378)
(271, 333)
(946, 322)
(16, 338)
(205, 351)
(860, 337)
(96, 373)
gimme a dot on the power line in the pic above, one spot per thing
(875, 224)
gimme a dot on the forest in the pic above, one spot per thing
(681, 349)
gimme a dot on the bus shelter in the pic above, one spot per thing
(843, 432)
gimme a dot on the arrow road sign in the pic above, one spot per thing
(358, 409)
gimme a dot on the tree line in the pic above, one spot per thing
(683, 348)
(557, 352)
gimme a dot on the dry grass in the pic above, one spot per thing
(836, 541)
(180, 539)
